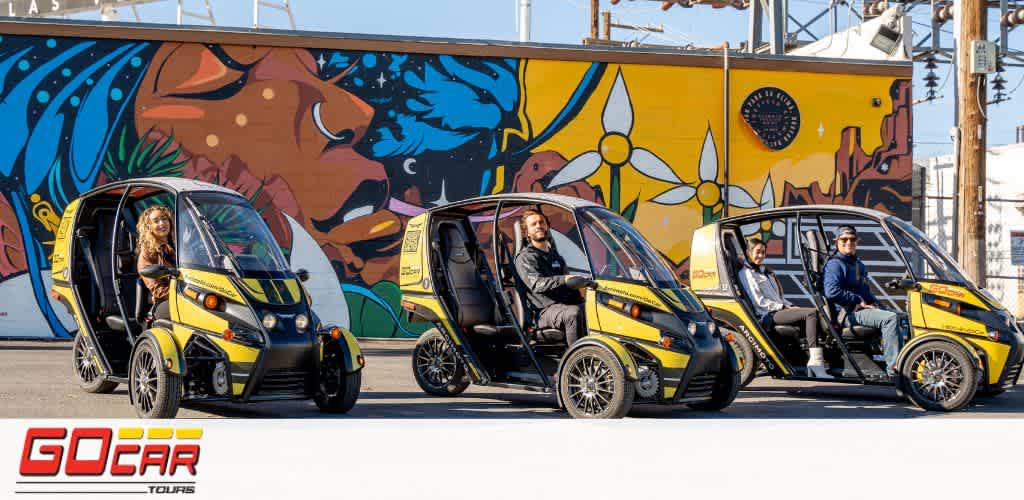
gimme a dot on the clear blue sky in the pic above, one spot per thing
(567, 21)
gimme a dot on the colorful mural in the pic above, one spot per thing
(337, 149)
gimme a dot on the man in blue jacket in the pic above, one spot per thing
(846, 286)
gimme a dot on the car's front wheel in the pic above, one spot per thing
(939, 376)
(155, 390)
(337, 391)
(593, 384)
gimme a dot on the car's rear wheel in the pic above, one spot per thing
(337, 391)
(592, 384)
(437, 367)
(155, 390)
(87, 371)
(748, 360)
(939, 376)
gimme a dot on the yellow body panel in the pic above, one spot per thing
(635, 293)
(196, 316)
(953, 292)
(411, 265)
(168, 348)
(704, 259)
(731, 306)
(615, 322)
(354, 352)
(590, 305)
(62, 243)
(938, 319)
(213, 282)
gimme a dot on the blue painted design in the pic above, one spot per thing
(35, 256)
(89, 82)
(369, 295)
(358, 81)
(485, 182)
(51, 43)
(43, 96)
(397, 60)
(92, 129)
(75, 101)
(116, 94)
(14, 104)
(136, 62)
(66, 72)
(24, 65)
(369, 60)
(44, 144)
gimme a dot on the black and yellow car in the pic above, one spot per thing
(242, 327)
(649, 340)
(957, 340)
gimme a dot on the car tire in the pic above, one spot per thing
(155, 390)
(437, 367)
(741, 346)
(939, 376)
(727, 386)
(337, 391)
(592, 384)
(86, 372)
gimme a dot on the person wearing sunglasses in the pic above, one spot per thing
(846, 286)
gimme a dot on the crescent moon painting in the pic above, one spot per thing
(407, 166)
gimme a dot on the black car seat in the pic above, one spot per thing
(818, 256)
(737, 260)
(475, 305)
(96, 243)
(525, 313)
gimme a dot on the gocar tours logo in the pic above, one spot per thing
(773, 115)
(106, 461)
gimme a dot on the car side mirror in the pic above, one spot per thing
(302, 274)
(905, 284)
(158, 272)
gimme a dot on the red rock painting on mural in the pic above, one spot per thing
(12, 252)
(261, 121)
(870, 180)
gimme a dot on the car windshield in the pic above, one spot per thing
(239, 232)
(937, 263)
(617, 251)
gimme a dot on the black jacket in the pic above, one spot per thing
(544, 275)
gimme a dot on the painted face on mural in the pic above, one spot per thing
(262, 121)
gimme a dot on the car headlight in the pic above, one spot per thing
(269, 321)
(301, 322)
(691, 326)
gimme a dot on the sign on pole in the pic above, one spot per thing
(1017, 247)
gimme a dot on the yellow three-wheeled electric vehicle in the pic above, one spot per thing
(957, 339)
(241, 328)
(649, 339)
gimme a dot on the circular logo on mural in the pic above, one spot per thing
(773, 115)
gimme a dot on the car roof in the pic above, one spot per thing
(567, 202)
(173, 184)
(793, 210)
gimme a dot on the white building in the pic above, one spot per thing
(1005, 214)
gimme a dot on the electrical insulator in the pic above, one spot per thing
(877, 8)
(943, 13)
(718, 4)
(1013, 18)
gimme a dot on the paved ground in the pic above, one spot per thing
(36, 381)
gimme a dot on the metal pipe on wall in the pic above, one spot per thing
(725, 134)
(524, 20)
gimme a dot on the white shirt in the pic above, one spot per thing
(763, 291)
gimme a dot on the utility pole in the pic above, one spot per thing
(971, 18)
(524, 20)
